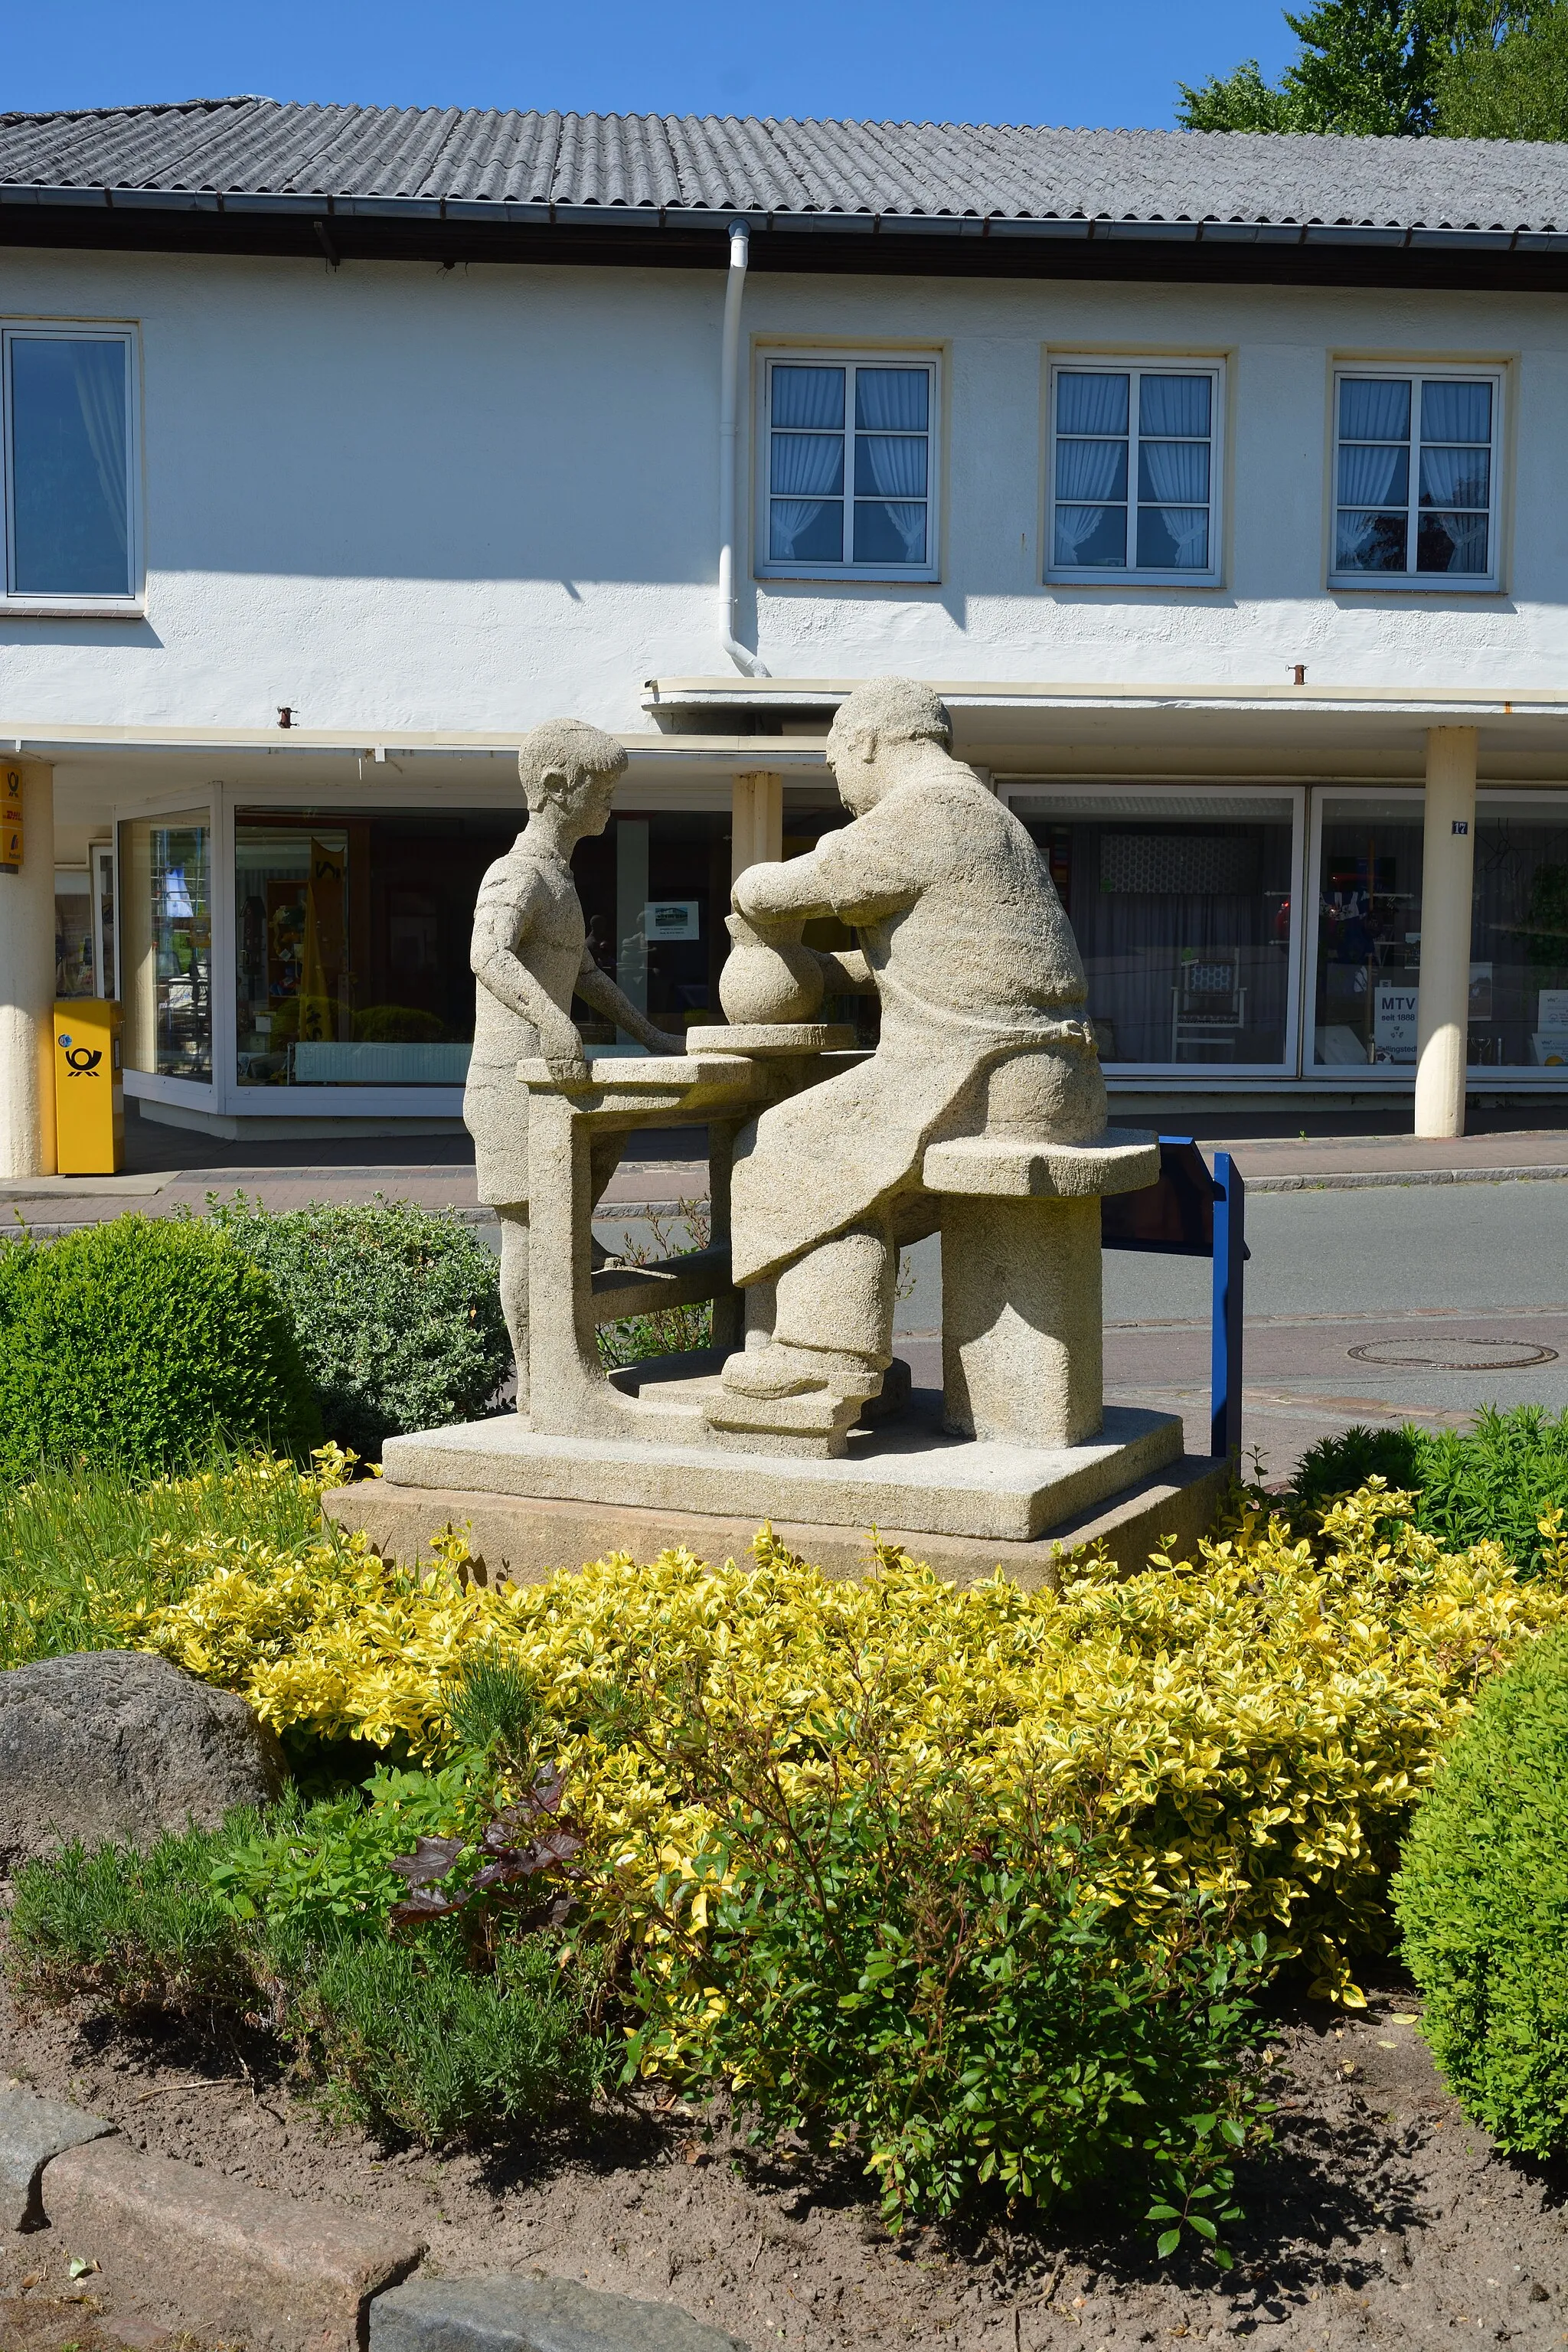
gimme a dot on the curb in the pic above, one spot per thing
(292, 2275)
(1373, 1180)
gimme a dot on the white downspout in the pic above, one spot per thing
(729, 419)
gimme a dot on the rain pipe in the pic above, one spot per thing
(728, 414)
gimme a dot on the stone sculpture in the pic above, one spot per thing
(530, 958)
(981, 989)
(981, 1112)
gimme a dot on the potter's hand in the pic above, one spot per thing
(780, 897)
(560, 1047)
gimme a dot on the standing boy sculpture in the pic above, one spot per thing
(530, 958)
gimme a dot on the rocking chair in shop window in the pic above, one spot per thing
(1208, 1003)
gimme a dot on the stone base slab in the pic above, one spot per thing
(525, 1540)
(903, 1473)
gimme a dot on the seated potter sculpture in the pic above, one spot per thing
(530, 958)
(965, 943)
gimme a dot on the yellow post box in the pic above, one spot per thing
(90, 1088)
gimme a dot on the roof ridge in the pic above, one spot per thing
(147, 106)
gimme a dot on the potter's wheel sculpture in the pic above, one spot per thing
(981, 1114)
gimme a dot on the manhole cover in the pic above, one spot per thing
(1428, 1353)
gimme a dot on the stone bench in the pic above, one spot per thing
(1022, 1340)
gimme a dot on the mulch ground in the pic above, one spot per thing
(1379, 2218)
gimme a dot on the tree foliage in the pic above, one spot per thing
(1403, 68)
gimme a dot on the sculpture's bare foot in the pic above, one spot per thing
(781, 1370)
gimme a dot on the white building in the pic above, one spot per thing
(1221, 483)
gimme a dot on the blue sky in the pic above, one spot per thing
(1073, 61)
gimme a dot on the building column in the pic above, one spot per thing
(756, 821)
(27, 985)
(1448, 864)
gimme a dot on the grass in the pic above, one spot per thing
(79, 1548)
(403, 2039)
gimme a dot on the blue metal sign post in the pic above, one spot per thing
(1191, 1213)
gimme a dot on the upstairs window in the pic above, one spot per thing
(67, 401)
(849, 469)
(1135, 474)
(1415, 479)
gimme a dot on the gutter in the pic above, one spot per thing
(729, 424)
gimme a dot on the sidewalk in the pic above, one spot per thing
(169, 1168)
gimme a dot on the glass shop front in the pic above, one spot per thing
(318, 956)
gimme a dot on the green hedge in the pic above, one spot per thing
(396, 1308)
(1482, 1904)
(135, 1343)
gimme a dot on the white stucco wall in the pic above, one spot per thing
(393, 496)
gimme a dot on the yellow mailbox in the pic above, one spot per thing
(90, 1089)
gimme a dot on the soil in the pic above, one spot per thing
(1380, 2218)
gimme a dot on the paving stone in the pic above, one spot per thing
(32, 2130)
(508, 2313)
(180, 2243)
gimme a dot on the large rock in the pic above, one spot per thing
(110, 1743)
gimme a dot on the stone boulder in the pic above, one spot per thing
(112, 1743)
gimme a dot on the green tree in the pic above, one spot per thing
(1367, 68)
(1514, 86)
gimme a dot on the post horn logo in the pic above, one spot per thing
(80, 1060)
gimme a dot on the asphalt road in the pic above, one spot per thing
(1450, 1280)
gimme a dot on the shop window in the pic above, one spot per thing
(1519, 938)
(69, 469)
(73, 964)
(165, 864)
(848, 474)
(352, 944)
(1415, 479)
(655, 890)
(1134, 472)
(1181, 906)
(1369, 933)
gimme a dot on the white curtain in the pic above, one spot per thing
(98, 373)
(1092, 404)
(1087, 473)
(891, 400)
(808, 399)
(1373, 478)
(1454, 477)
(1454, 411)
(894, 466)
(1374, 409)
(1174, 405)
(1177, 474)
(808, 470)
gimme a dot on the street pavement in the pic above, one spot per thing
(1389, 1279)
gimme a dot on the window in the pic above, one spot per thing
(69, 471)
(1134, 473)
(1180, 904)
(1416, 477)
(849, 469)
(166, 863)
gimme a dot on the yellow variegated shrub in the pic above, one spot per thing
(1253, 1722)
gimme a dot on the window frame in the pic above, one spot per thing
(1135, 365)
(77, 602)
(1414, 373)
(849, 358)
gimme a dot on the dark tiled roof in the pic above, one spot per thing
(226, 150)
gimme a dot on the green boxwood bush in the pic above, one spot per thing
(1482, 1904)
(396, 1308)
(135, 1342)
